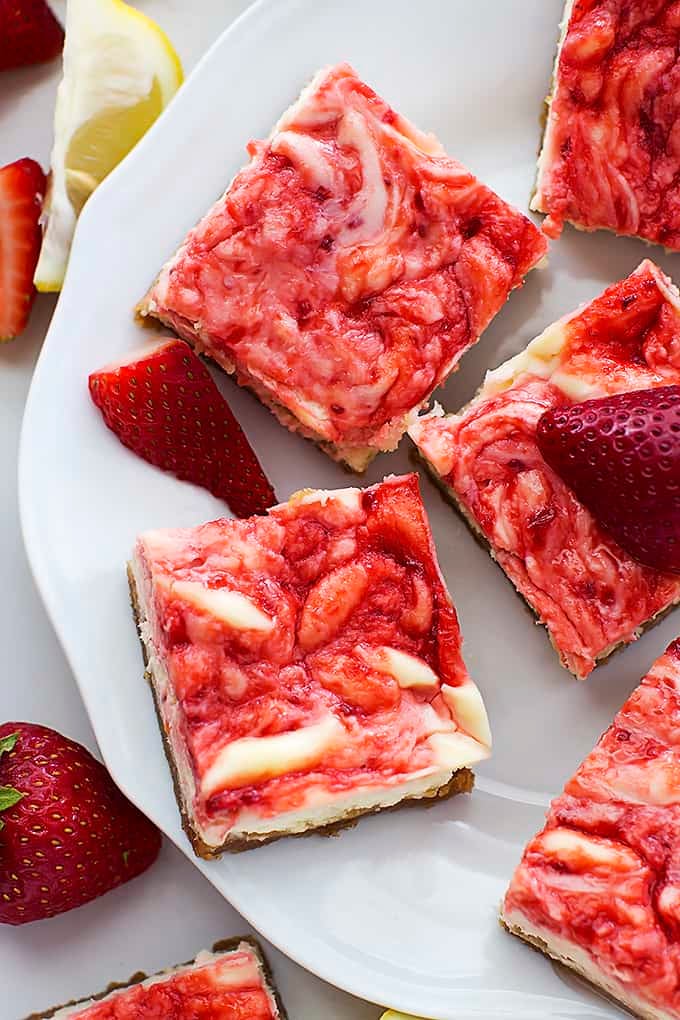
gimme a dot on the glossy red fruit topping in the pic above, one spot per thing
(22, 188)
(163, 404)
(67, 833)
(29, 33)
(621, 457)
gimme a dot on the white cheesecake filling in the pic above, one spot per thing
(408, 670)
(230, 607)
(324, 808)
(350, 498)
(253, 759)
(540, 358)
(467, 706)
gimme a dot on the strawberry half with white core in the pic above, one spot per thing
(163, 404)
(22, 188)
(621, 457)
(67, 833)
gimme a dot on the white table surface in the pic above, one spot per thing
(171, 912)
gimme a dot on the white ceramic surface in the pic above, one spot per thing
(401, 909)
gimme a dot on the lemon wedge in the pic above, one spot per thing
(120, 72)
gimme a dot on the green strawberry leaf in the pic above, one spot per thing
(8, 795)
(7, 743)
(8, 798)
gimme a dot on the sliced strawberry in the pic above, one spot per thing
(22, 188)
(163, 403)
(67, 833)
(621, 457)
(29, 33)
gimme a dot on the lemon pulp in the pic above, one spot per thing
(103, 141)
(120, 71)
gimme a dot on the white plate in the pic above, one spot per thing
(402, 909)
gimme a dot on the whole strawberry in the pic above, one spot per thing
(621, 457)
(29, 33)
(162, 403)
(67, 833)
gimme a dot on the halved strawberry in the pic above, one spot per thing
(163, 403)
(22, 188)
(29, 33)
(621, 457)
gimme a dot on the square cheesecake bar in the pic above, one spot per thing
(589, 593)
(230, 983)
(346, 269)
(610, 157)
(598, 889)
(306, 665)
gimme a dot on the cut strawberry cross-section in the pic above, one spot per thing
(163, 404)
(621, 456)
(22, 187)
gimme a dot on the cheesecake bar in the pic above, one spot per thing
(346, 269)
(230, 983)
(598, 889)
(589, 593)
(306, 665)
(610, 156)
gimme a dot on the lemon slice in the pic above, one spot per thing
(391, 1015)
(120, 71)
